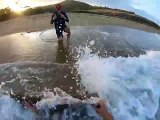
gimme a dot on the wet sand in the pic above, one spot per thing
(42, 22)
(30, 64)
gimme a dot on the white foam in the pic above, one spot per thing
(12, 110)
(51, 100)
(131, 85)
(92, 42)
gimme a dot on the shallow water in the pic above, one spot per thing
(32, 63)
(42, 46)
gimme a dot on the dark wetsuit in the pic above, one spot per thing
(60, 23)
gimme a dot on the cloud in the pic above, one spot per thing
(31, 3)
(95, 2)
(34, 3)
(149, 6)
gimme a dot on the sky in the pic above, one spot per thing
(146, 8)
(31, 3)
(23, 3)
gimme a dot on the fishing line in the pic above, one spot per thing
(46, 39)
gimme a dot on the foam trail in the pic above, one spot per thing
(131, 85)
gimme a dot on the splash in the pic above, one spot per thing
(76, 109)
(130, 85)
(12, 110)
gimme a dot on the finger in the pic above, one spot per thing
(97, 105)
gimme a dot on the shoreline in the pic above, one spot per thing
(41, 22)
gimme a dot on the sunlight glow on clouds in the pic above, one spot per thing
(24, 3)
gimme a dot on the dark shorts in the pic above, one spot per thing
(59, 30)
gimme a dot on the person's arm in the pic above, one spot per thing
(65, 17)
(103, 111)
(53, 18)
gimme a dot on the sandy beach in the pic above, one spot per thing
(42, 22)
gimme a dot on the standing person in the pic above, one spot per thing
(59, 18)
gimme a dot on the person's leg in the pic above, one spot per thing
(68, 31)
(60, 40)
(59, 35)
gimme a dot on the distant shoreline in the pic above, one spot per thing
(41, 22)
(123, 15)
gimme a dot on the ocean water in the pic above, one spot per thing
(13, 110)
(130, 86)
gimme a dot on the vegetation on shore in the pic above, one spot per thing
(79, 7)
(124, 15)
(6, 14)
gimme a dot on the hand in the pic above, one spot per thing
(54, 17)
(103, 111)
(62, 16)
